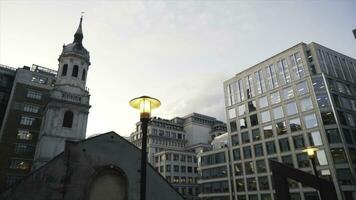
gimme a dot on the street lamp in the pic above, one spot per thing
(311, 154)
(145, 104)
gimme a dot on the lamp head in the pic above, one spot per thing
(311, 152)
(145, 104)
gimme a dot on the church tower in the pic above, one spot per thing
(66, 115)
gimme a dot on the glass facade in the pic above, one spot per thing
(300, 99)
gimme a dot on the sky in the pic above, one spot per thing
(180, 52)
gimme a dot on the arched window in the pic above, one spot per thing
(110, 183)
(84, 74)
(64, 70)
(68, 119)
(75, 71)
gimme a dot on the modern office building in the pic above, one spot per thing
(7, 76)
(303, 96)
(44, 109)
(214, 171)
(173, 146)
(22, 122)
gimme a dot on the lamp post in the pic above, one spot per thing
(145, 104)
(311, 154)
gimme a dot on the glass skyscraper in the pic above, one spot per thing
(303, 96)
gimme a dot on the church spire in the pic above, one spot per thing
(78, 36)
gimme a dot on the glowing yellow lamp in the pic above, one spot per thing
(310, 151)
(145, 104)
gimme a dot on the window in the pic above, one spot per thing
(183, 169)
(275, 98)
(34, 95)
(38, 79)
(240, 186)
(342, 117)
(243, 123)
(295, 125)
(176, 168)
(266, 117)
(68, 119)
(263, 183)
(333, 136)
(190, 169)
(245, 137)
(338, 155)
(238, 169)
(64, 70)
(168, 168)
(261, 86)
(19, 164)
(232, 113)
(287, 160)
(23, 149)
(31, 108)
(233, 126)
(270, 147)
(75, 71)
(315, 138)
(258, 150)
(175, 157)
(284, 145)
(83, 75)
(291, 108)
(350, 119)
(27, 121)
(310, 121)
(261, 166)
(284, 75)
(247, 152)
(306, 104)
(251, 184)
(251, 106)
(328, 118)
(24, 135)
(311, 196)
(267, 131)
(249, 168)
(256, 134)
(252, 197)
(237, 154)
(298, 142)
(302, 88)
(287, 93)
(253, 120)
(281, 128)
(318, 84)
(347, 136)
(278, 112)
(263, 102)
(321, 157)
(231, 89)
(322, 100)
(250, 90)
(235, 140)
(242, 109)
(344, 176)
